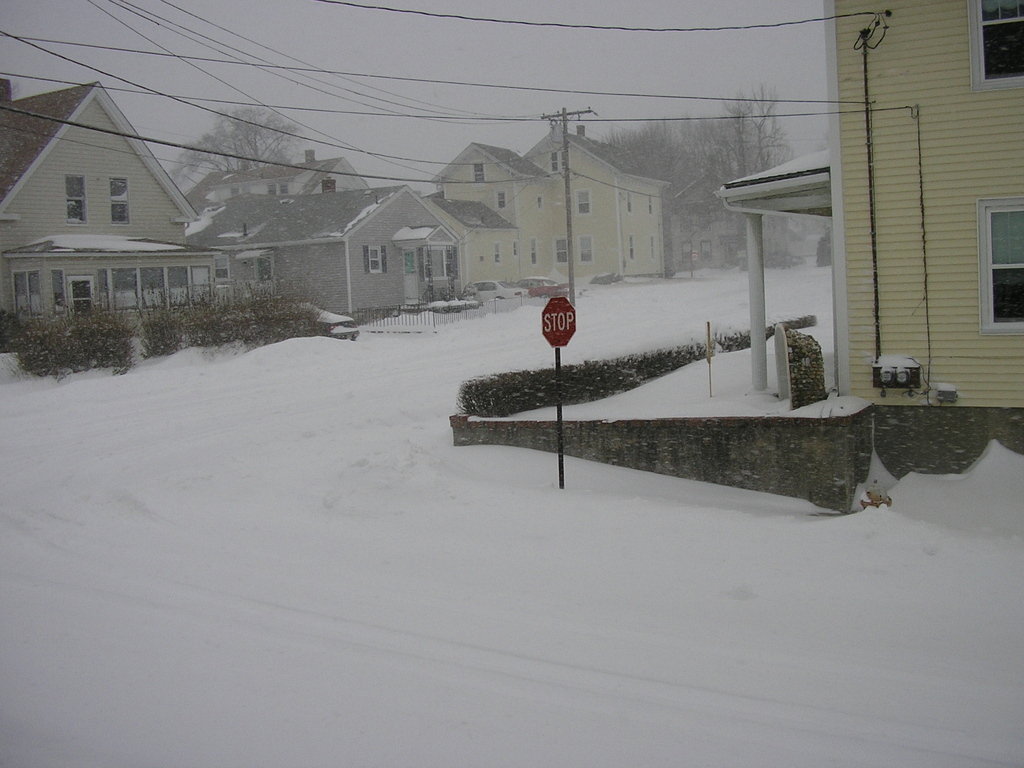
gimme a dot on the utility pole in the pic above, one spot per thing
(564, 116)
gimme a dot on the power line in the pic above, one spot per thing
(140, 12)
(245, 158)
(289, 56)
(427, 80)
(8, 107)
(442, 118)
(208, 109)
(600, 27)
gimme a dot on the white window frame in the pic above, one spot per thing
(632, 248)
(374, 262)
(501, 199)
(31, 303)
(586, 244)
(497, 253)
(986, 207)
(478, 173)
(119, 201)
(533, 250)
(561, 251)
(80, 198)
(978, 80)
(583, 206)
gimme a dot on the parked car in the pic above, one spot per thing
(337, 326)
(543, 286)
(485, 290)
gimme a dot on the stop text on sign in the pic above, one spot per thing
(561, 322)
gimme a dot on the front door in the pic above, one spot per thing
(81, 290)
(412, 277)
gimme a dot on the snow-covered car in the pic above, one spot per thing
(337, 326)
(543, 286)
(485, 290)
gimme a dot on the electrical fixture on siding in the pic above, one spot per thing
(895, 372)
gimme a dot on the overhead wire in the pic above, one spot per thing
(434, 81)
(599, 27)
(152, 91)
(346, 145)
(264, 46)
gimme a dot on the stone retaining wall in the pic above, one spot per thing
(821, 460)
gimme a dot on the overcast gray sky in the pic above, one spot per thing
(328, 36)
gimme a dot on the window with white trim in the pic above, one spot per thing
(1001, 251)
(501, 199)
(478, 172)
(375, 260)
(583, 201)
(554, 161)
(533, 250)
(997, 43)
(561, 251)
(586, 248)
(27, 298)
(74, 194)
(497, 253)
(119, 200)
(632, 248)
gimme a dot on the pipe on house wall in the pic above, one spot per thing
(864, 43)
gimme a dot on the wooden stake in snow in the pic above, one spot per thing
(710, 353)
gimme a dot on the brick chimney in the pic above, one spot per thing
(329, 184)
(5, 90)
(310, 155)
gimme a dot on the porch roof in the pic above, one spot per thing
(801, 186)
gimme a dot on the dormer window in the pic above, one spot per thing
(74, 193)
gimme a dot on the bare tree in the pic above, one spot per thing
(261, 136)
(698, 156)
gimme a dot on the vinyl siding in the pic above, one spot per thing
(608, 224)
(41, 200)
(972, 146)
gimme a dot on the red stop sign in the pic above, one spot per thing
(558, 321)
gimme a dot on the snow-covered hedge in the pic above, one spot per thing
(505, 394)
(97, 339)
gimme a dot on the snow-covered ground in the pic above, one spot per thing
(278, 558)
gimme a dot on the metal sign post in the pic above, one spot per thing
(558, 324)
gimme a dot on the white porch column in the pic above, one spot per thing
(755, 289)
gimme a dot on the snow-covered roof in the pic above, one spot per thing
(815, 162)
(104, 243)
(803, 185)
(412, 233)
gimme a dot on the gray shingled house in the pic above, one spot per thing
(345, 251)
